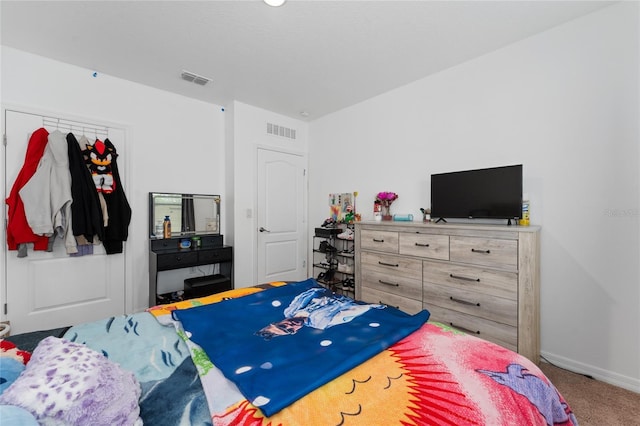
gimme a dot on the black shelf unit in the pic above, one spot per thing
(334, 259)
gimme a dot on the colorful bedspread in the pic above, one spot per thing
(280, 344)
(434, 376)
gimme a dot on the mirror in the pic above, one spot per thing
(189, 213)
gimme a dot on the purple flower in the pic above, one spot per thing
(386, 198)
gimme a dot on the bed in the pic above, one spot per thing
(277, 354)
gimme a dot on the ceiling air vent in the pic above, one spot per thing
(285, 132)
(194, 78)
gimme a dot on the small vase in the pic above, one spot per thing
(386, 212)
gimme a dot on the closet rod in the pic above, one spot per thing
(72, 125)
(65, 122)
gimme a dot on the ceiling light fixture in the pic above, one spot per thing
(275, 3)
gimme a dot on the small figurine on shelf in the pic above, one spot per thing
(349, 216)
(426, 215)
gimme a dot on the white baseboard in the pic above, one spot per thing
(626, 382)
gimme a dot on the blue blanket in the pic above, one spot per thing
(171, 389)
(282, 343)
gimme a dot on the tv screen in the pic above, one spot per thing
(493, 193)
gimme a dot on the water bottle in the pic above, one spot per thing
(524, 219)
(166, 227)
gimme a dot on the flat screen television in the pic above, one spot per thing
(493, 193)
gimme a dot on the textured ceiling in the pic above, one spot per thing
(313, 56)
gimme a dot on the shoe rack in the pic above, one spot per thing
(334, 258)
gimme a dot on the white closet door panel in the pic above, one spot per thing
(51, 289)
(49, 293)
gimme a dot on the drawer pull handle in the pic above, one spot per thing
(464, 302)
(458, 277)
(464, 329)
(388, 283)
(378, 241)
(481, 251)
(394, 265)
(382, 303)
(422, 245)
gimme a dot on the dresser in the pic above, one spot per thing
(481, 279)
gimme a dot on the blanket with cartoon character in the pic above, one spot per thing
(435, 375)
(280, 344)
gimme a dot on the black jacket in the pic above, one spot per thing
(118, 209)
(86, 215)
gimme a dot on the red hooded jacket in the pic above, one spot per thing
(18, 230)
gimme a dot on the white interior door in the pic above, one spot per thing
(51, 289)
(281, 229)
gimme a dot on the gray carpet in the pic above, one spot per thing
(593, 402)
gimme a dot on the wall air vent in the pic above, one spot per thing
(284, 132)
(194, 78)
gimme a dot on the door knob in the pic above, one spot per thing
(263, 230)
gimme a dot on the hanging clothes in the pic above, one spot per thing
(47, 195)
(19, 233)
(85, 208)
(102, 162)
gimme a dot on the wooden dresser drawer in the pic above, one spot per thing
(424, 245)
(386, 241)
(492, 331)
(472, 302)
(393, 274)
(392, 266)
(492, 252)
(491, 282)
(405, 304)
(402, 286)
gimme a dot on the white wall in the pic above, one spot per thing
(249, 130)
(160, 126)
(563, 103)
